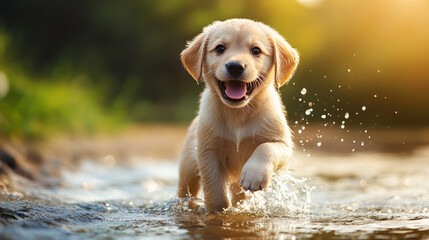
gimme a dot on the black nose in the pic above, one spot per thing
(235, 68)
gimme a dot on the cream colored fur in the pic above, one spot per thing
(232, 146)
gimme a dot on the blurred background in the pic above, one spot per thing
(75, 67)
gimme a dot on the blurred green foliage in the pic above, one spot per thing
(76, 66)
(36, 109)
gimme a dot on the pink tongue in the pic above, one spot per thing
(235, 89)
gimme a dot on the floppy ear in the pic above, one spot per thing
(193, 56)
(285, 59)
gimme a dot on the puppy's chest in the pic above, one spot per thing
(237, 144)
(237, 135)
(234, 156)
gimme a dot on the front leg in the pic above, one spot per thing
(214, 179)
(266, 158)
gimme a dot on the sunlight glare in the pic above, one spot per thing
(309, 3)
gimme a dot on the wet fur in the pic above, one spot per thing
(234, 146)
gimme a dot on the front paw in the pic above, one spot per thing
(255, 178)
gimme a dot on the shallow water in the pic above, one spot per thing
(325, 196)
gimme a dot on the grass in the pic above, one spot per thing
(39, 108)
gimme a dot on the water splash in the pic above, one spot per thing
(178, 205)
(286, 195)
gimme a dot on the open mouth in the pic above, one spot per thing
(235, 90)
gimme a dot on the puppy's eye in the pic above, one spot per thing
(256, 51)
(220, 49)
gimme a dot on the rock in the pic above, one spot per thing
(25, 163)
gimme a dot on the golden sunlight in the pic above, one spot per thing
(309, 3)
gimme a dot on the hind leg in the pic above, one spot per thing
(237, 193)
(189, 174)
(189, 180)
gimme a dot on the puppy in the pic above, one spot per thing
(240, 136)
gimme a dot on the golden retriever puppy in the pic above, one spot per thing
(240, 136)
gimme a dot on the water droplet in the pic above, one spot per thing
(375, 95)
(347, 115)
(354, 141)
(396, 112)
(323, 116)
(378, 70)
(366, 131)
(353, 150)
(362, 143)
(303, 127)
(300, 99)
(308, 154)
(299, 131)
(296, 122)
(324, 76)
(342, 139)
(308, 111)
(349, 70)
(319, 144)
(303, 91)
(363, 108)
(342, 126)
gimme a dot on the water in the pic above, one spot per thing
(364, 195)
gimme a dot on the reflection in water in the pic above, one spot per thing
(365, 195)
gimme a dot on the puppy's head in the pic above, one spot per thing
(238, 59)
